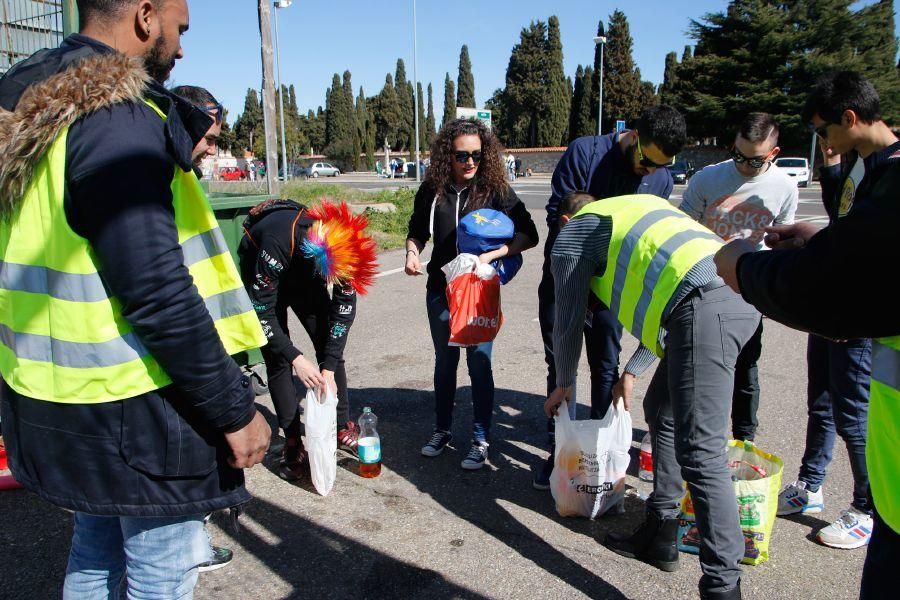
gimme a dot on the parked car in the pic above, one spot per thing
(232, 174)
(681, 171)
(321, 169)
(798, 168)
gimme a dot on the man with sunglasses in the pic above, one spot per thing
(740, 197)
(616, 164)
(834, 282)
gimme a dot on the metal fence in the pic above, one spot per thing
(26, 26)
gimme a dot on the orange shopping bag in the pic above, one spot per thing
(473, 294)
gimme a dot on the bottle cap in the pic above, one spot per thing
(367, 409)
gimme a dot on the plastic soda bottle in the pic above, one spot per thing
(645, 472)
(369, 445)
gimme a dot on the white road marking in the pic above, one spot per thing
(394, 271)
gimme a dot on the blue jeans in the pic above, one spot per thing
(838, 398)
(446, 359)
(160, 554)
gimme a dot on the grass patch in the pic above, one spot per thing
(388, 229)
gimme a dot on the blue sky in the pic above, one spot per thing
(321, 38)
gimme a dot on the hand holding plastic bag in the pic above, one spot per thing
(320, 421)
(473, 296)
(591, 462)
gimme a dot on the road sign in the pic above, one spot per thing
(478, 114)
(620, 126)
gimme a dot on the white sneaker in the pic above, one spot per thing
(853, 529)
(798, 498)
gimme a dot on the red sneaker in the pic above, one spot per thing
(348, 438)
(294, 464)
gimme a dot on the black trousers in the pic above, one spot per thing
(312, 308)
(745, 398)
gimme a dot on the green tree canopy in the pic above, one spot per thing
(449, 100)
(465, 89)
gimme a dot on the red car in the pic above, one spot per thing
(232, 174)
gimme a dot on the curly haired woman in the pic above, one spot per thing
(466, 174)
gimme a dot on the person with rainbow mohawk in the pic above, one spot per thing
(289, 256)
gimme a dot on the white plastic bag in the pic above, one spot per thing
(591, 461)
(320, 421)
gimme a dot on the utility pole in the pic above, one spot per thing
(265, 32)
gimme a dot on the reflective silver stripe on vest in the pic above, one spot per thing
(203, 245)
(227, 304)
(654, 271)
(49, 282)
(886, 365)
(629, 243)
(77, 355)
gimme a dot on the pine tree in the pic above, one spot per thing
(496, 104)
(877, 46)
(449, 100)
(465, 89)
(555, 115)
(430, 131)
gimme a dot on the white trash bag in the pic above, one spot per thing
(320, 439)
(591, 462)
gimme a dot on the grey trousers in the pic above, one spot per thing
(687, 407)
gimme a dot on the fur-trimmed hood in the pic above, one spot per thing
(49, 106)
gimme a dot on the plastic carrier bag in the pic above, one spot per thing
(484, 230)
(757, 480)
(591, 462)
(320, 439)
(473, 295)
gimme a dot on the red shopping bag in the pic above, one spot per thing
(473, 294)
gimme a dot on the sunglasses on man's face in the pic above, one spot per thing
(216, 111)
(646, 162)
(821, 130)
(462, 157)
(755, 162)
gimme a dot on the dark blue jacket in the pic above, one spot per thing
(596, 164)
(162, 453)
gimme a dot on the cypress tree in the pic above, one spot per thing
(449, 100)
(555, 115)
(423, 129)
(670, 79)
(388, 116)
(525, 97)
(353, 134)
(496, 104)
(248, 129)
(404, 92)
(465, 90)
(362, 128)
(430, 131)
(622, 84)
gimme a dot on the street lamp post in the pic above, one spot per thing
(284, 158)
(601, 40)
(416, 92)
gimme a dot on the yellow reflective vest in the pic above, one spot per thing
(62, 335)
(652, 247)
(883, 439)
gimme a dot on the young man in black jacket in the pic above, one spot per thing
(834, 282)
(278, 276)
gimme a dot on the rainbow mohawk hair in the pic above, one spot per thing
(342, 251)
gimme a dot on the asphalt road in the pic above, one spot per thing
(428, 529)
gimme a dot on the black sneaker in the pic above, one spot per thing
(474, 460)
(221, 557)
(437, 443)
(541, 480)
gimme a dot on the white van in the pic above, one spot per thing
(798, 168)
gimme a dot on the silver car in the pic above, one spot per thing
(322, 169)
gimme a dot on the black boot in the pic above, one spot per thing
(732, 594)
(541, 480)
(653, 542)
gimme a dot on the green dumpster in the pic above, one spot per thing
(230, 211)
